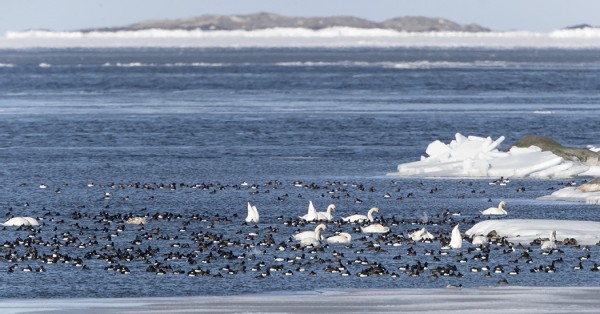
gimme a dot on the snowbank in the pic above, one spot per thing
(527, 230)
(475, 156)
(571, 194)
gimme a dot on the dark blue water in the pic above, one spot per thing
(133, 121)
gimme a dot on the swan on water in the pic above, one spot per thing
(360, 218)
(375, 228)
(550, 244)
(422, 234)
(456, 239)
(496, 210)
(312, 213)
(480, 240)
(252, 213)
(21, 221)
(316, 234)
(343, 237)
(137, 220)
(327, 214)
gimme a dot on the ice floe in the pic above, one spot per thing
(475, 156)
(527, 230)
(572, 194)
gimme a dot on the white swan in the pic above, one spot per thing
(312, 213)
(326, 215)
(360, 218)
(480, 240)
(21, 221)
(136, 220)
(343, 237)
(315, 239)
(375, 228)
(550, 244)
(252, 213)
(422, 234)
(456, 239)
(316, 234)
(496, 210)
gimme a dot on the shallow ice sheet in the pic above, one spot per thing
(475, 156)
(300, 37)
(526, 230)
(571, 194)
(504, 300)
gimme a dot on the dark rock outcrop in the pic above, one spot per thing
(586, 156)
(269, 20)
(425, 24)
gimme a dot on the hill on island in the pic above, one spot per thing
(269, 20)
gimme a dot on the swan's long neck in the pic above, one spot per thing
(501, 205)
(318, 232)
(370, 214)
(329, 209)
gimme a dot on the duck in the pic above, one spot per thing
(360, 218)
(326, 216)
(550, 244)
(496, 210)
(343, 237)
(316, 234)
(252, 214)
(312, 213)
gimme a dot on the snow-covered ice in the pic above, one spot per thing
(475, 156)
(527, 230)
(572, 194)
(301, 37)
(504, 300)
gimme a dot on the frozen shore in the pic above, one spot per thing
(452, 300)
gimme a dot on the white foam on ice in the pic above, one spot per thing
(301, 37)
(475, 156)
(571, 194)
(527, 230)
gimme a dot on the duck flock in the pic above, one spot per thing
(234, 238)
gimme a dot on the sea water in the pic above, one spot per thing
(296, 124)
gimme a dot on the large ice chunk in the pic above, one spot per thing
(475, 156)
(527, 230)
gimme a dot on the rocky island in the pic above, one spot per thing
(263, 20)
